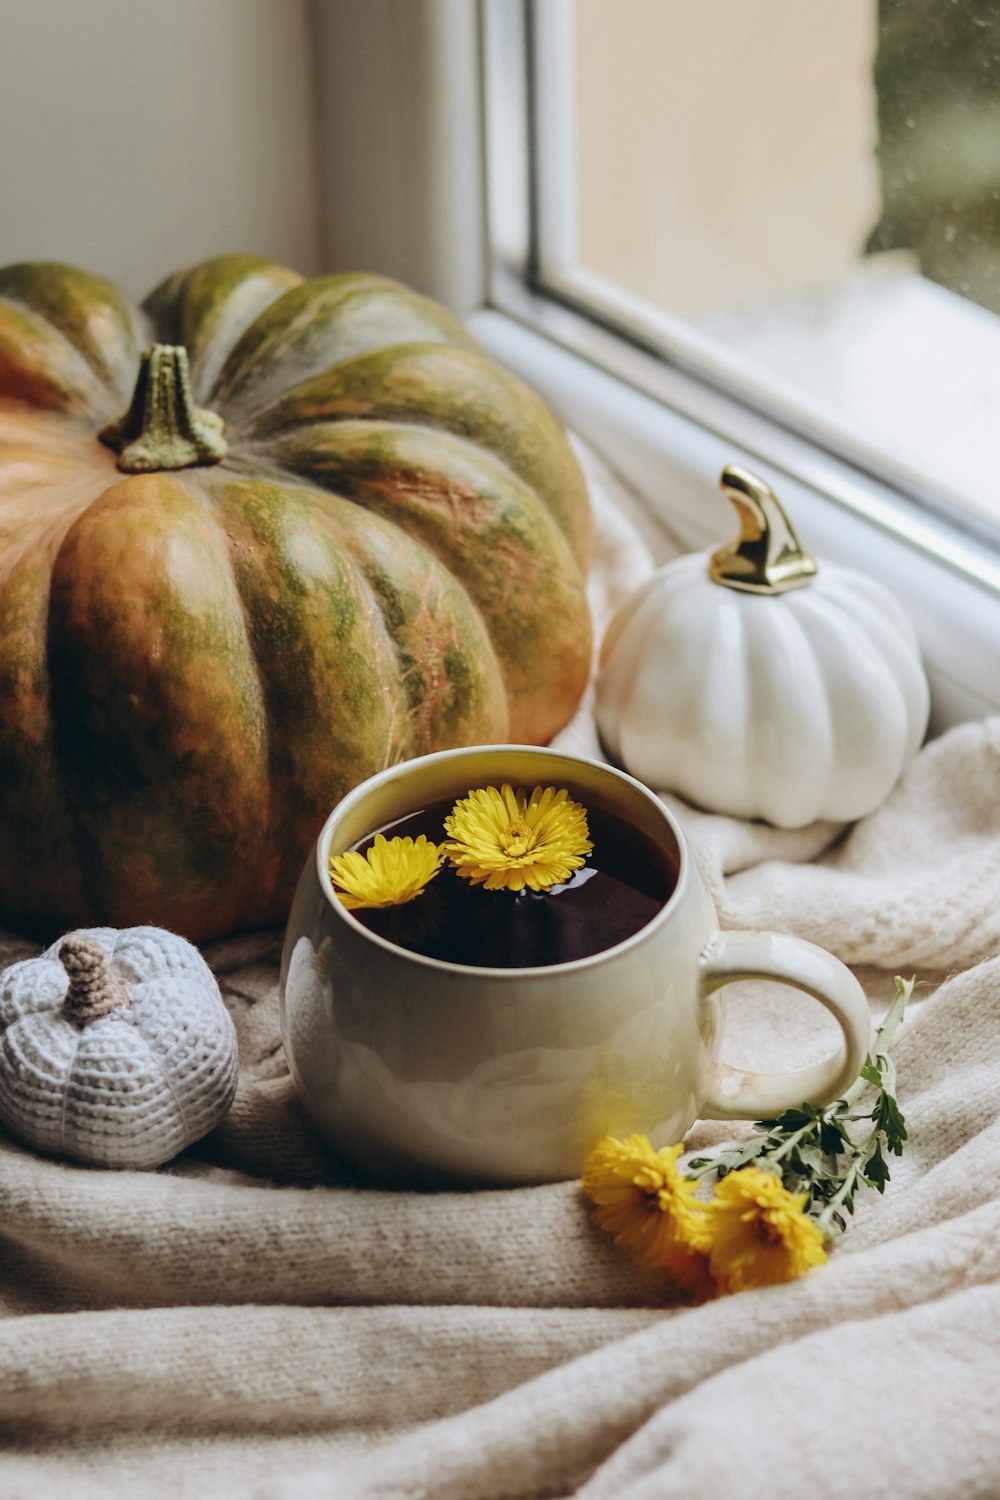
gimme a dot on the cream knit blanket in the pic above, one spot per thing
(245, 1322)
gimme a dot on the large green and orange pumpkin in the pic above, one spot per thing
(236, 580)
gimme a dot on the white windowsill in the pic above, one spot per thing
(885, 368)
(898, 364)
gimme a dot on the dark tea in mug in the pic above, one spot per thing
(626, 880)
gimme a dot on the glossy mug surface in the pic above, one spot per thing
(423, 1072)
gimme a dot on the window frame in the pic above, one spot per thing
(666, 415)
(531, 148)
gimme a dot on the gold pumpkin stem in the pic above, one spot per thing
(95, 989)
(163, 429)
(766, 557)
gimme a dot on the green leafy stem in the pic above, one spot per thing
(814, 1150)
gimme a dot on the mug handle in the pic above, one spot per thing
(736, 1095)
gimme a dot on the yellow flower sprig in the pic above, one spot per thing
(506, 840)
(760, 1232)
(754, 1232)
(500, 839)
(778, 1198)
(392, 872)
(644, 1200)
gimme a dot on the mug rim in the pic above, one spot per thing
(483, 971)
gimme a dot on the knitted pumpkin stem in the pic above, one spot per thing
(163, 429)
(95, 989)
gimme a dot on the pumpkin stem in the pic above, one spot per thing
(163, 429)
(767, 557)
(95, 989)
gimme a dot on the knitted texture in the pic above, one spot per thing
(95, 989)
(115, 1048)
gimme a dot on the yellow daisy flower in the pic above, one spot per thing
(650, 1207)
(507, 840)
(393, 872)
(760, 1233)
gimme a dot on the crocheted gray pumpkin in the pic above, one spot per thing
(115, 1048)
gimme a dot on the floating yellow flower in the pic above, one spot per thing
(650, 1207)
(506, 840)
(760, 1233)
(393, 871)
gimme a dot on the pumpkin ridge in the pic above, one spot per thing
(379, 608)
(195, 482)
(776, 634)
(445, 388)
(30, 727)
(171, 797)
(624, 684)
(310, 482)
(165, 1078)
(311, 476)
(852, 633)
(208, 307)
(258, 895)
(368, 544)
(732, 662)
(294, 662)
(420, 711)
(70, 302)
(521, 574)
(896, 639)
(67, 1084)
(43, 433)
(25, 371)
(37, 534)
(685, 627)
(298, 334)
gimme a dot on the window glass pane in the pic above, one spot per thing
(811, 193)
(738, 161)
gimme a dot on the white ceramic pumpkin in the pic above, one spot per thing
(754, 684)
(116, 1048)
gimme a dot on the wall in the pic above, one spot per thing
(398, 96)
(138, 137)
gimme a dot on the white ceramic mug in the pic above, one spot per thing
(420, 1071)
